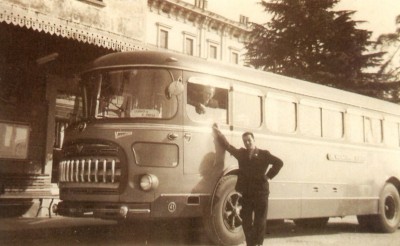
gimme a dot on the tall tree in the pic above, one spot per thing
(387, 82)
(383, 81)
(390, 43)
(306, 39)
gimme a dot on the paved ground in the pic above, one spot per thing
(74, 231)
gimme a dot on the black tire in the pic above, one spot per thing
(388, 218)
(366, 222)
(311, 222)
(222, 218)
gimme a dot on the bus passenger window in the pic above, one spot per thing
(398, 133)
(280, 115)
(203, 99)
(354, 128)
(332, 124)
(373, 130)
(206, 103)
(391, 133)
(247, 114)
(310, 120)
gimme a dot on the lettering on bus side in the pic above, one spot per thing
(346, 158)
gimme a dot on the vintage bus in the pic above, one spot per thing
(144, 147)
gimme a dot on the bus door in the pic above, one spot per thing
(206, 104)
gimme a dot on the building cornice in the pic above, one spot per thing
(201, 17)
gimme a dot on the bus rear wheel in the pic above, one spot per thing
(222, 221)
(388, 218)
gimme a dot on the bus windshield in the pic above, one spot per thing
(128, 93)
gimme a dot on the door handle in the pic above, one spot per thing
(172, 136)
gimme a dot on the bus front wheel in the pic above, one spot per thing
(222, 220)
(388, 218)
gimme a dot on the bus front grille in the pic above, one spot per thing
(90, 170)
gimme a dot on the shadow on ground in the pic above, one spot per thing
(180, 232)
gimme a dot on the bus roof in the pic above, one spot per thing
(244, 74)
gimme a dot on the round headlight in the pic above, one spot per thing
(148, 182)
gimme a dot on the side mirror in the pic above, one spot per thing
(175, 88)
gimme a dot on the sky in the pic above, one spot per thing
(379, 14)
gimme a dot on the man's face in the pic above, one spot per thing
(208, 93)
(249, 142)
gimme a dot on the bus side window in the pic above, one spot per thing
(355, 128)
(373, 130)
(332, 124)
(398, 133)
(391, 133)
(280, 114)
(207, 103)
(247, 110)
(310, 120)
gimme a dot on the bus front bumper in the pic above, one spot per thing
(102, 210)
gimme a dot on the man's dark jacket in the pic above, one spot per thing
(252, 179)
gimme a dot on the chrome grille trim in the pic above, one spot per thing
(106, 170)
(72, 171)
(67, 171)
(112, 171)
(83, 170)
(89, 170)
(77, 171)
(96, 171)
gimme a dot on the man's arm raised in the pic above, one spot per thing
(221, 139)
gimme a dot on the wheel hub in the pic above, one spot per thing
(390, 207)
(232, 219)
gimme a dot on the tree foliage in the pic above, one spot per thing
(386, 84)
(306, 39)
(390, 44)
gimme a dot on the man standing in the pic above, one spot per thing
(252, 183)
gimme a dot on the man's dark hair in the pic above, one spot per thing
(248, 134)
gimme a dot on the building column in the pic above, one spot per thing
(51, 94)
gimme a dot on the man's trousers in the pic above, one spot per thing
(254, 229)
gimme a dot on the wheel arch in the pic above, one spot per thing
(395, 181)
(229, 171)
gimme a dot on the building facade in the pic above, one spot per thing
(191, 29)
